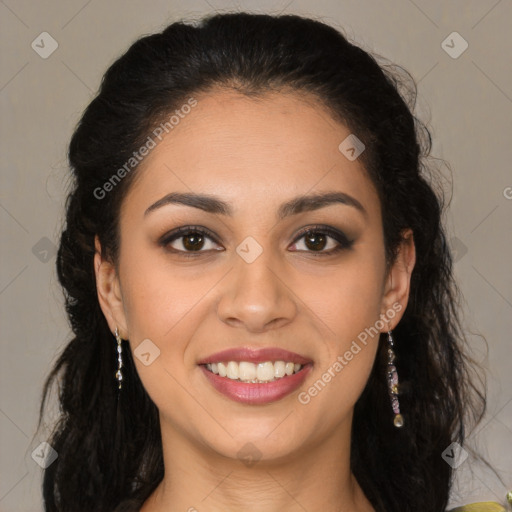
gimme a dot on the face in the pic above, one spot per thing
(249, 276)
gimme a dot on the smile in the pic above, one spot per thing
(255, 384)
(246, 371)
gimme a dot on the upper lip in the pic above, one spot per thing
(252, 355)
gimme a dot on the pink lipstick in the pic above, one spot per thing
(252, 390)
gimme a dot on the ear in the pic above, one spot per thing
(398, 281)
(109, 292)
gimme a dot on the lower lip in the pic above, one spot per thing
(254, 394)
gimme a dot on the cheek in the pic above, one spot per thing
(347, 300)
(165, 304)
(165, 308)
(158, 294)
(349, 351)
(348, 306)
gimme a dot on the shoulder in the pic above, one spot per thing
(482, 506)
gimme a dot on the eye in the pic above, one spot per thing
(316, 240)
(191, 239)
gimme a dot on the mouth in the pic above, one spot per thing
(255, 376)
(249, 372)
(256, 384)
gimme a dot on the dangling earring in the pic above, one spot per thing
(398, 421)
(119, 375)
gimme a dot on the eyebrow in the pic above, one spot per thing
(216, 206)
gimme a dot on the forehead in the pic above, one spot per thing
(249, 149)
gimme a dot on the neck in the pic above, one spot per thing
(198, 479)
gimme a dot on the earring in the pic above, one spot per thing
(398, 421)
(119, 375)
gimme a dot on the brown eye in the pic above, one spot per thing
(316, 240)
(193, 242)
(188, 240)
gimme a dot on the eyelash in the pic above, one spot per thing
(341, 238)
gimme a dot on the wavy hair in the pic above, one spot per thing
(110, 451)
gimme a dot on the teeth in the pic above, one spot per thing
(279, 369)
(254, 373)
(246, 371)
(265, 371)
(232, 370)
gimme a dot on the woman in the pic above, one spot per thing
(258, 282)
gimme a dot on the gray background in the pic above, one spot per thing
(467, 102)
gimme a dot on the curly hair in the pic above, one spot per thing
(110, 450)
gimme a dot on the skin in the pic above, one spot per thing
(255, 155)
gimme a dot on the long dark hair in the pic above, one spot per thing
(108, 451)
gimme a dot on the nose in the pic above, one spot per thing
(256, 295)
